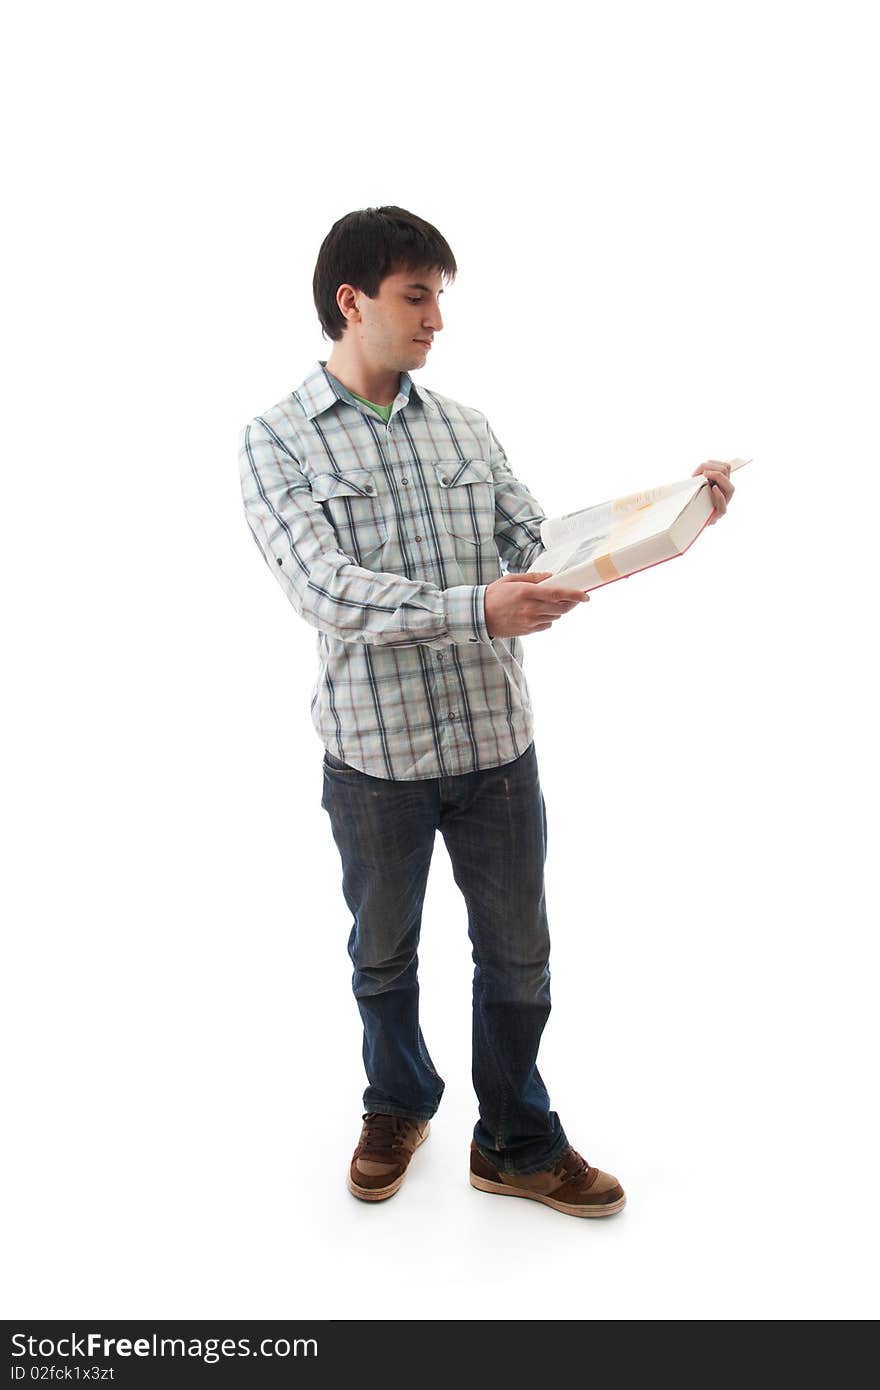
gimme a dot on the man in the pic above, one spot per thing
(385, 511)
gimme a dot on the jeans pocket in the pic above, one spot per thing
(337, 765)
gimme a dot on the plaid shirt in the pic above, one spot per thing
(384, 538)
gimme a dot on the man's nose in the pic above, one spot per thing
(433, 319)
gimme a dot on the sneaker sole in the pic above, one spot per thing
(484, 1185)
(380, 1194)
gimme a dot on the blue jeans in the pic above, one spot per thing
(494, 825)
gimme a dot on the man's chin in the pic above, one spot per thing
(410, 361)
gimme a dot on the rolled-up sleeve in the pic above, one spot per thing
(324, 585)
(518, 515)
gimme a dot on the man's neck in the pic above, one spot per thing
(380, 387)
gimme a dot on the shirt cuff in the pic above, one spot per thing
(466, 612)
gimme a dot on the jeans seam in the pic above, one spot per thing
(504, 1109)
(545, 1163)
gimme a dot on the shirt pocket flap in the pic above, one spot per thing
(355, 482)
(461, 471)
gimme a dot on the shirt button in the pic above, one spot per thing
(419, 539)
(369, 488)
(444, 482)
(404, 481)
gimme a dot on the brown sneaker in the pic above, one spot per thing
(379, 1163)
(571, 1185)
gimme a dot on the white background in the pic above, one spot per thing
(665, 222)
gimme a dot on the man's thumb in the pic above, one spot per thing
(534, 576)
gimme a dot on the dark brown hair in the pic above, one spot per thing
(364, 247)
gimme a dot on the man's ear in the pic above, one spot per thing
(346, 299)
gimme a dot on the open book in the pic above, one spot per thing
(595, 546)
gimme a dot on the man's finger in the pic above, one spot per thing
(722, 489)
(554, 610)
(560, 596)
(718, 464)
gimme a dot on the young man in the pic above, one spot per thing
(385, 511)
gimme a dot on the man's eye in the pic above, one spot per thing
(414, 299)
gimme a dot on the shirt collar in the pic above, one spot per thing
(321, 389)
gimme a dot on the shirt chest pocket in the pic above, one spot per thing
(467, 499)
(354, 509)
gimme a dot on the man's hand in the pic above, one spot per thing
(722, 488)
(514, 607)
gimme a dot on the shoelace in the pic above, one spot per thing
(572, 1165)
(382, 1132)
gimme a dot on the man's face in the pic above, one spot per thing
(396, 328)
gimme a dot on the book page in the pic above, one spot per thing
(592, 521)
